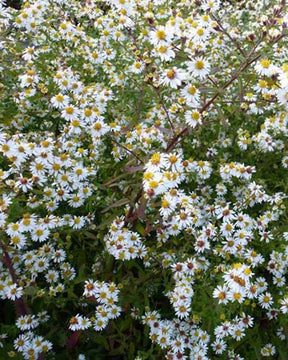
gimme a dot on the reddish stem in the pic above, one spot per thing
(73, 339)
(21, 308)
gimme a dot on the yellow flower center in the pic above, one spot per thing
(69, 110)
(199, 65)
(173, 159)
(195, 115)
(171, 74)
(155, 159)
(222, 295)
(162, 49)
(161, 34)
(192, 90)
(265, 63)
(200, 32)
(59, 97)
(237, 296)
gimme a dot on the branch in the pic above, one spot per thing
(130, 151)
(235, 42)
(164, 108)
(21, 308)
(174, 141)
(130, 216)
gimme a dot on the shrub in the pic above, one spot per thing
(143, 150)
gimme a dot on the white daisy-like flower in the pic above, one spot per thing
(70, 113)
(219, 346)
(164, 52)
(191, 94)
(265, 300)
(161, 36)
(283, 77)
(284, 305)
(137, 67)
(199, 67)
(282, 96)
(264, 67)
(200, 34)
(268, 350)
(172, 77)
(211, 5)
(60, 101)
(193, 118)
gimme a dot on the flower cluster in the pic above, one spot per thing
(177, 336)
(106, 296)
(122, 243)
(163, 172)
(28, 343)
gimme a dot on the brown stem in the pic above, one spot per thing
(164, 108)
(73, 339)
(130, 216)
(174, 141)
(213, 81)
(235, 42)
(139, 106)
(130, 151)
(21, 308)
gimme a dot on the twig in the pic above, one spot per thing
(20, 305)
(213, 81)
(139, 106)
(238, 47)
(174, 141)
(164, 108)
(130, 151)
(131, 209)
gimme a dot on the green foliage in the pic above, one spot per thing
(127, 139)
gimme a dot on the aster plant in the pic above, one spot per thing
(143, 197)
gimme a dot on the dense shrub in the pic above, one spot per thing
(143, 150)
